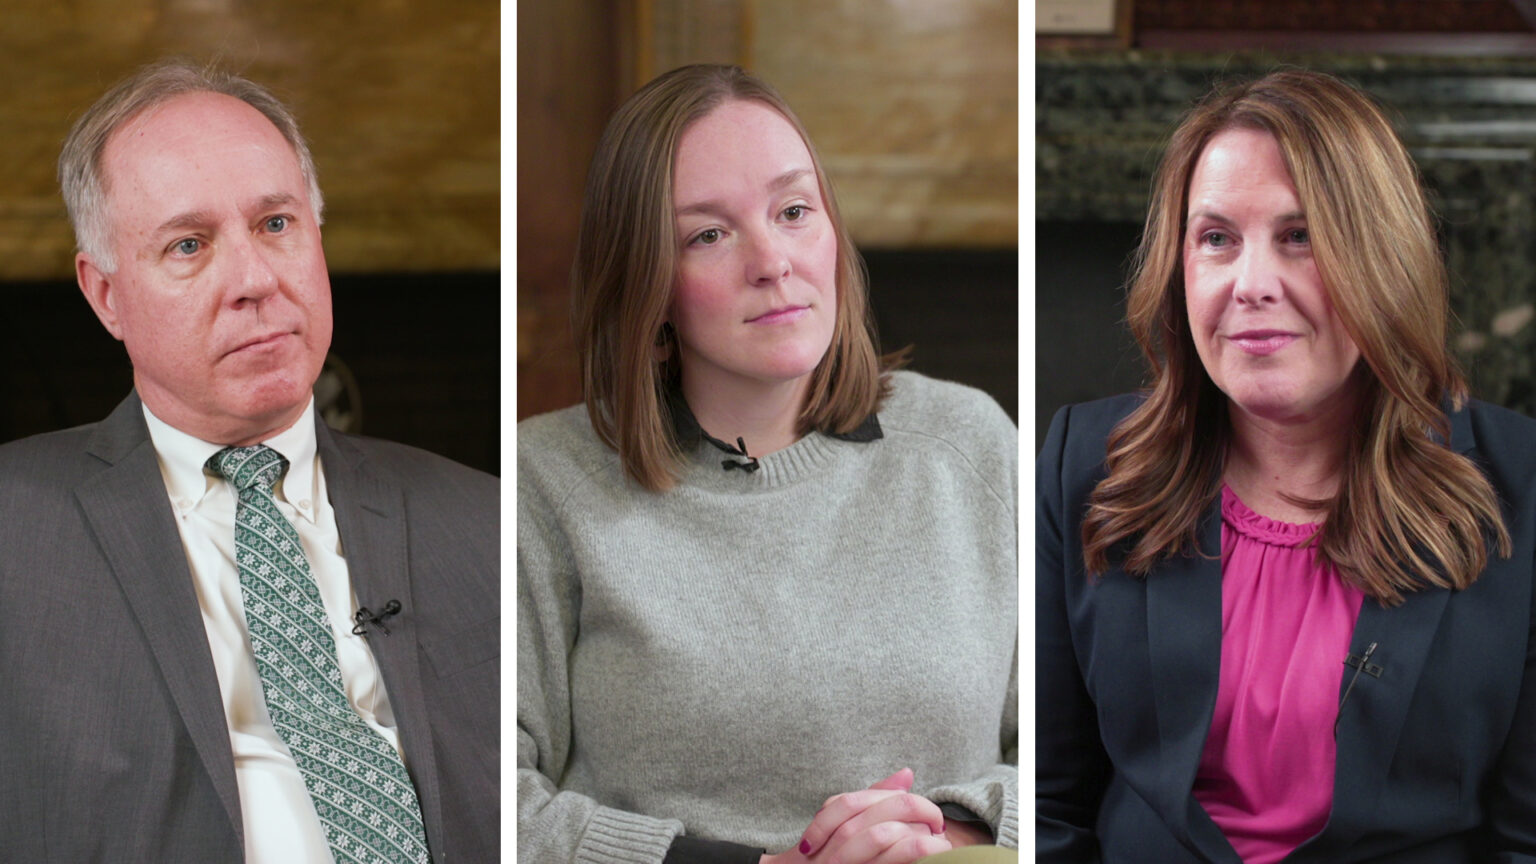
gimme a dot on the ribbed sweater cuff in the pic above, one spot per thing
(994, 801)
(617, 837)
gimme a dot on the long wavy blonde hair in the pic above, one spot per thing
(1409, 512)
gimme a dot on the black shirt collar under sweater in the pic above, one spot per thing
(689, 433)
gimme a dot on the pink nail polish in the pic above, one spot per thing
(805, 847)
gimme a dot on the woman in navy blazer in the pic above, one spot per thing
(1291, 301)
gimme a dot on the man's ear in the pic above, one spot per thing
(100, 290)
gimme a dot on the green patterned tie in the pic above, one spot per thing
(359, 786)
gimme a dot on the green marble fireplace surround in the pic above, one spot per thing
(1101, 121)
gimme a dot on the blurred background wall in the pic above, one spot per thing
(400, 103)
(912, 105)
(1113, 78)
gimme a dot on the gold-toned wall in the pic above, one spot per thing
(400, 101)
(912, 104)
(916, 108)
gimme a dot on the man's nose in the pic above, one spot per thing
(253, 277)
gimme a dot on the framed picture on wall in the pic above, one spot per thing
(1083, 23)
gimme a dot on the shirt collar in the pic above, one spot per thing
(689, 433)
(183, 456)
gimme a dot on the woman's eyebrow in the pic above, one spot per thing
(1212, 215)
(713, 207)
(709, 207)
(790, 178)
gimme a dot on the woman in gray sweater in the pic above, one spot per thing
(759, 569)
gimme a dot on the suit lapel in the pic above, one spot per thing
(1184, 648)
(370, 517)
(1371, 717)
(128, 511)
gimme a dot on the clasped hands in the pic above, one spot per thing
(884, 824)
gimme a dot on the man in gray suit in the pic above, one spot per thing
(226, 631)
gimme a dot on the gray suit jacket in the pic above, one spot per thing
(113, 740)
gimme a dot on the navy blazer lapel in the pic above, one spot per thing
(1371, 717)
(371, 519)
(128, 510)
(1184, 647)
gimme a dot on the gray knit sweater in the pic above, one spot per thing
(718, 659)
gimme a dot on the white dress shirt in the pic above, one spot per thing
(279, 817)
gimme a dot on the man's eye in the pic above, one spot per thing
(188, 246)
(277, 224)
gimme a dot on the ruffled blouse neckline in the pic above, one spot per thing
(1262, 528)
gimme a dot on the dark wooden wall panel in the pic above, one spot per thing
(1360, 15)
(568, 82)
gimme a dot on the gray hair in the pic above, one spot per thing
(80, 175)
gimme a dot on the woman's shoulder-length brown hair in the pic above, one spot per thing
(626, 265)
(1409, 512)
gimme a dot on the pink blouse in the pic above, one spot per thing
(1266, 774)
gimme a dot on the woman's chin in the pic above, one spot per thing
(1281, 410)
(788, 369)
